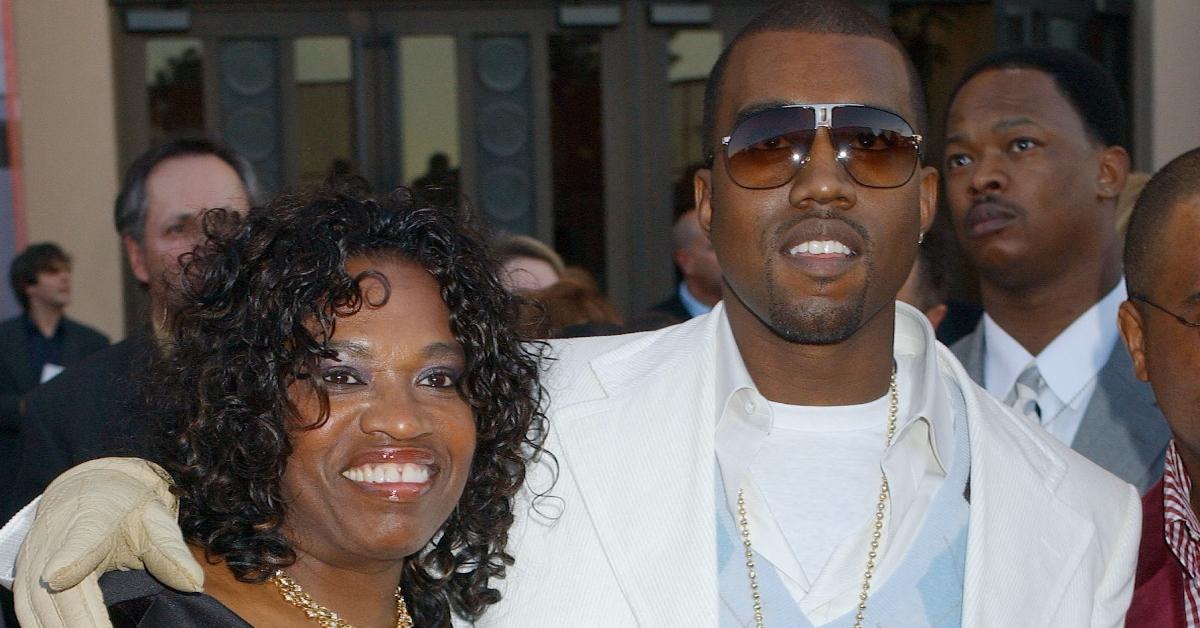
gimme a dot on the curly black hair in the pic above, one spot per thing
(262, 297)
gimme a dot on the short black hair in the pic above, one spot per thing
(38, 258)
(821, 17)
(1087, 86)
(1175, 182)
(129, 211)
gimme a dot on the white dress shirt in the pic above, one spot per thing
(690, 303)
(1069, 365)
(915, 465)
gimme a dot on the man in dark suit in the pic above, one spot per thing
(700, 287)
(42, 341)
(1160, 324)
(34, 348)
(92, 410)
(1033, 169)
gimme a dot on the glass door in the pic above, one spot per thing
(582, 135)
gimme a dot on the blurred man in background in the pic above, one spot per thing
(92, 410)
(41, 342)
(700, 286)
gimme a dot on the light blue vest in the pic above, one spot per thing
(925, 590)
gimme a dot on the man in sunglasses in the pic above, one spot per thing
(1033, 170)
(805, 454)
(1160, 324)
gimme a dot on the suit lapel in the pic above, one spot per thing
(1123, 430)
(1016, 518)
(969, 351)
(643, 462)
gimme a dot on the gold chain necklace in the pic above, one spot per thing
(293, 594)
(876, 534)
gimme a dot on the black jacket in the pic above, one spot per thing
(668, 312)
(18, 375)
(91, 410)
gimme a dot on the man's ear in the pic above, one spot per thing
(929, 196)
(1114, 168)
(684, 261)
(702, 193)
(1129, 321)
(137, 261)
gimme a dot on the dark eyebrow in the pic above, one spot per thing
(432, 350)
(356, 349)
(443, 350)
(1009, 123)
(1000, 127)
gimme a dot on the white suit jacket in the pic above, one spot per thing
(626, 536)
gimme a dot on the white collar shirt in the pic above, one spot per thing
(691, 303)
(915, 465)
(1070, 364)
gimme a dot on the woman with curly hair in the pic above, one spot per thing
(348, 415)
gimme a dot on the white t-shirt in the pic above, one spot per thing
(819, 472)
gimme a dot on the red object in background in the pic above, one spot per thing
(12, 104)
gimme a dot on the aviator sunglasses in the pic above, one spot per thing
(877, 148)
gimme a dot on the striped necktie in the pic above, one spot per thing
(1024, 395)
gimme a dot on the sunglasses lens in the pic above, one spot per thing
(767, 149)
(877, 147)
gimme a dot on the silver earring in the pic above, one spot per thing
(921, 238)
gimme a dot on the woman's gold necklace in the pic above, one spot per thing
(293, 594)
(880, 506)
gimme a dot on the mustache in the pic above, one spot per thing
(782, 230)
(997, 201)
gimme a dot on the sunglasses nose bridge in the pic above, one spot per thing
(823, 179)
(821, 149)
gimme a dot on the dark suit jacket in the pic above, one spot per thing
(1122, 429)
(18, 376)
(1158, 585)
(663, 314)
(92, 410)
(673, 306)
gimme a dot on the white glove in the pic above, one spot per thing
(103, 515)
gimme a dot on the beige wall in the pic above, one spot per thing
(1166, 79)
(69, 146)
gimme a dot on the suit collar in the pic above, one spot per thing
(969, 351)
(1071, 360)
(649, 489)
(1123, 430)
